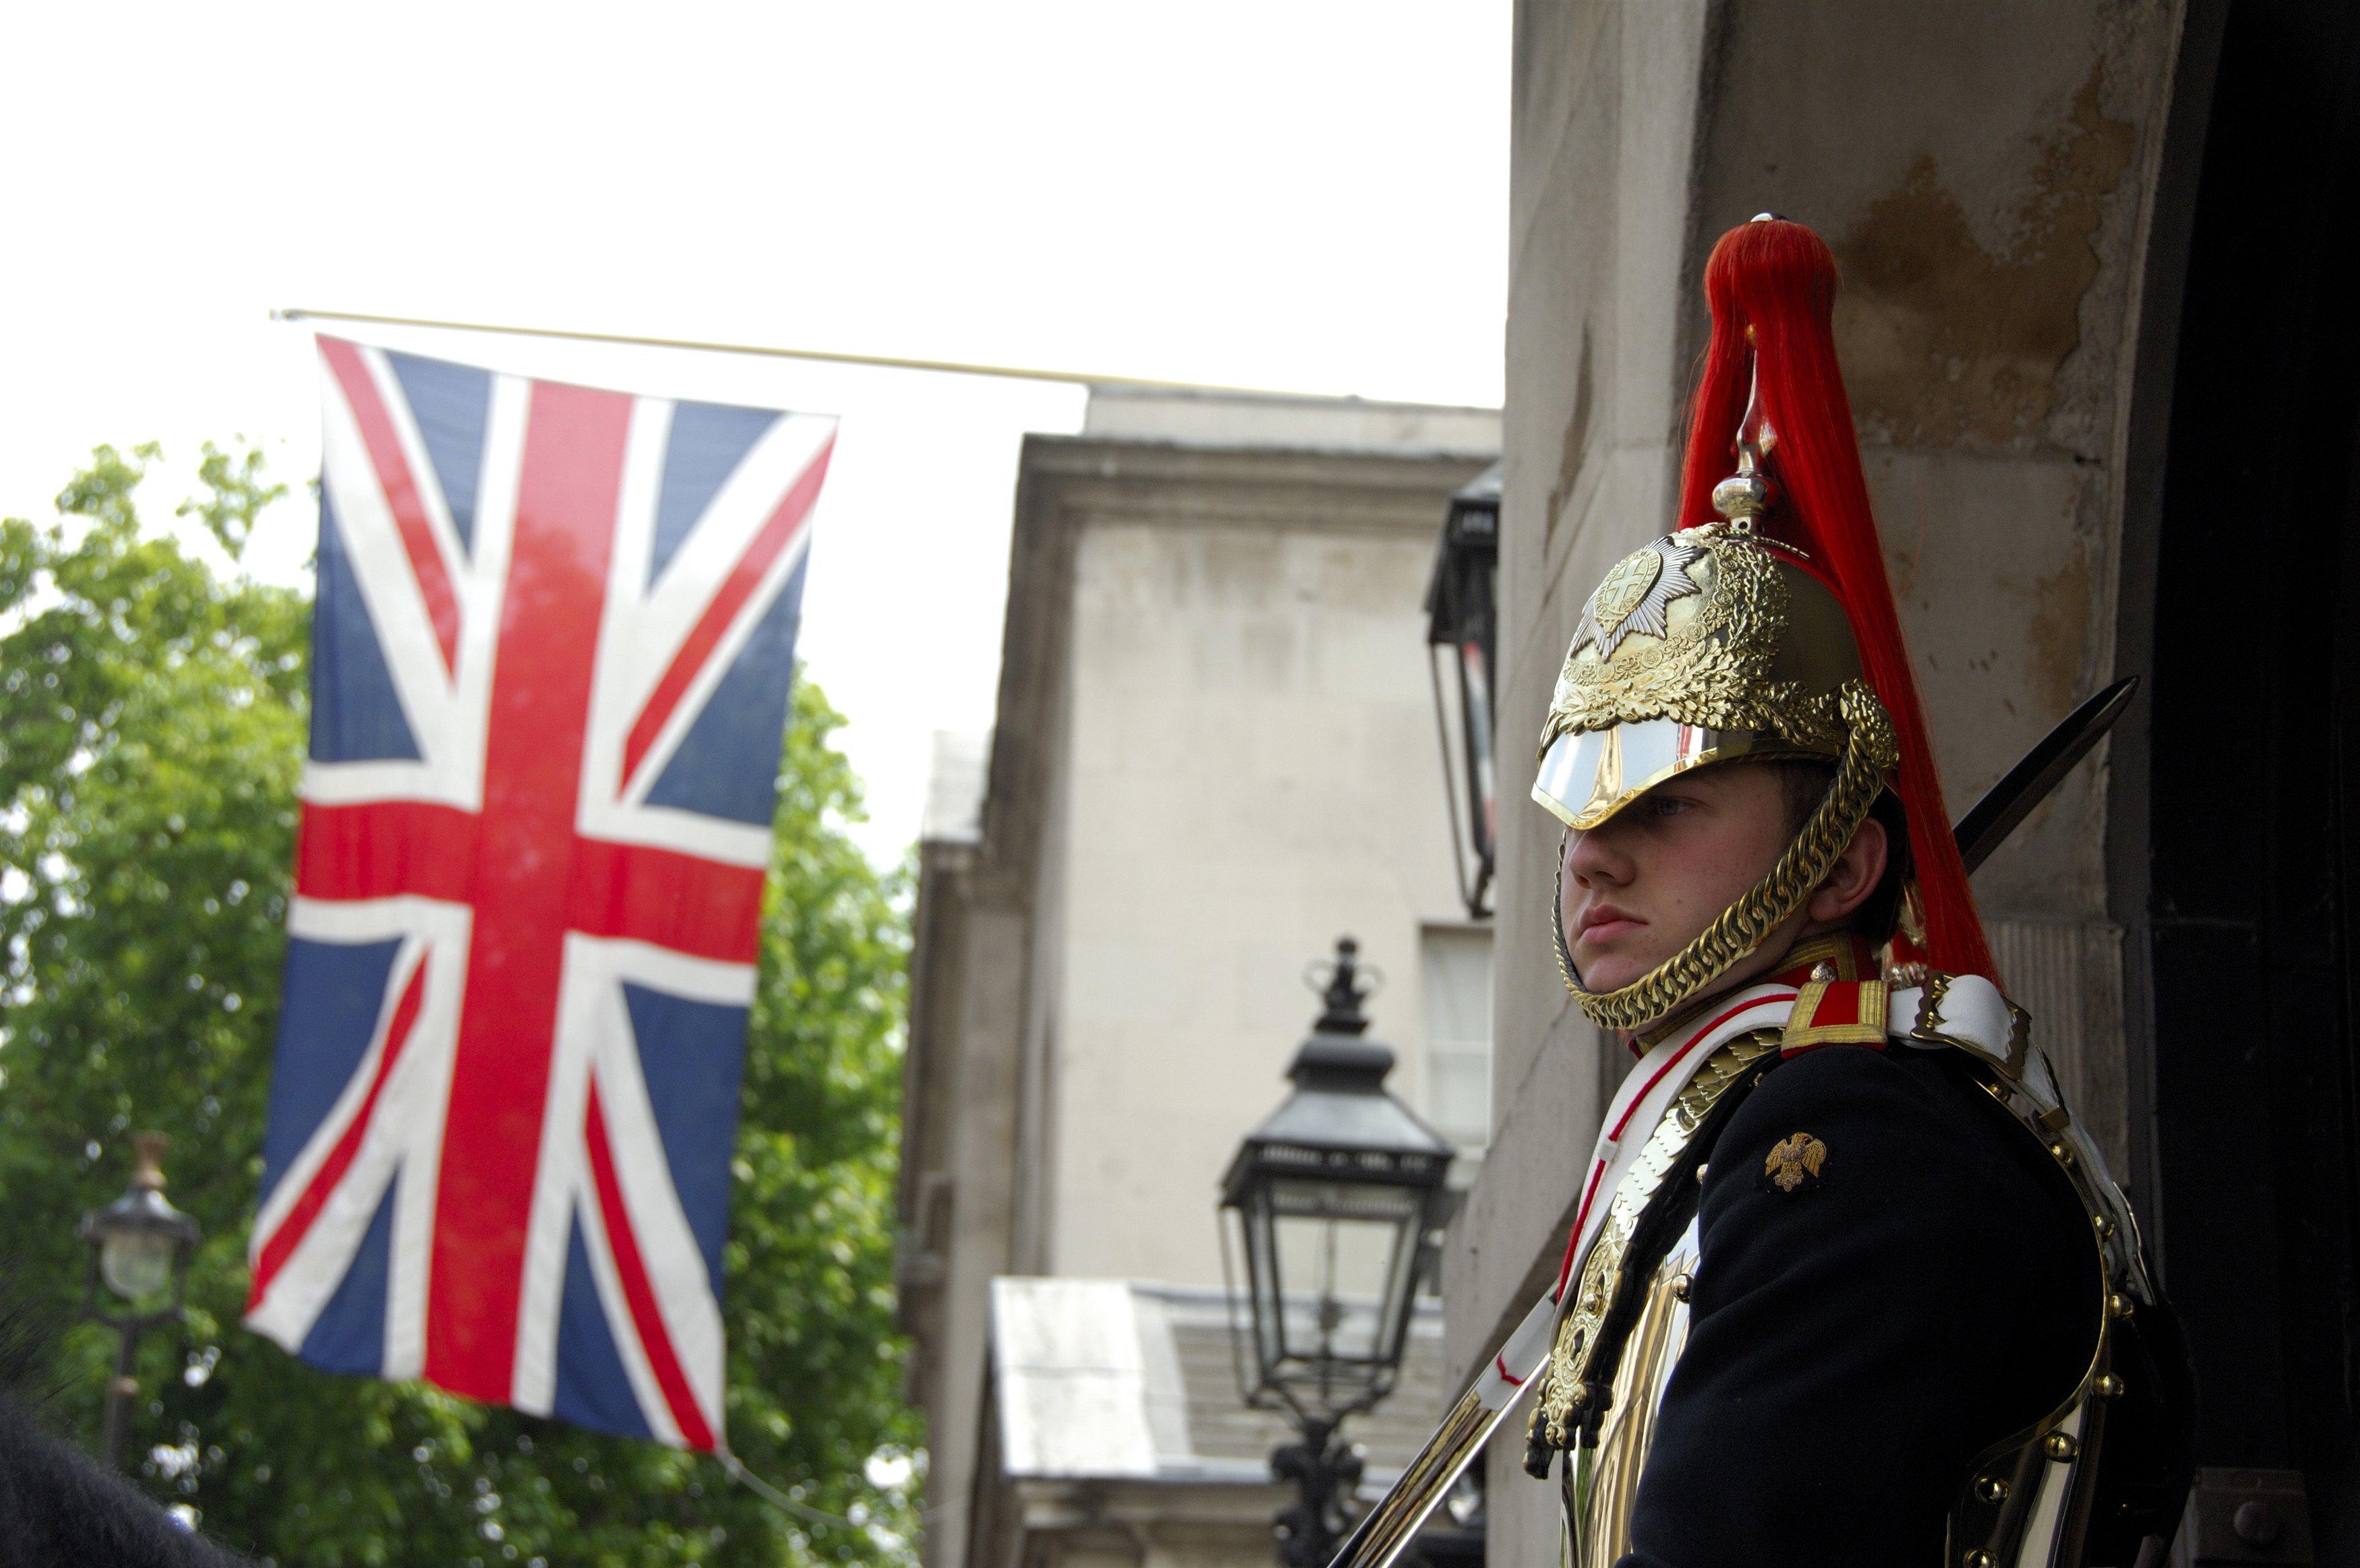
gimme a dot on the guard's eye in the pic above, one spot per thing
(1668, 805)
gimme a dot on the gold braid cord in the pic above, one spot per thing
(1870, 751)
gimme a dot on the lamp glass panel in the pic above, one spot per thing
(135, 1263)
(1341, 1252)
(1475, 708)
(1262, 1281)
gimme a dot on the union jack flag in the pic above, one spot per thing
(553, 635)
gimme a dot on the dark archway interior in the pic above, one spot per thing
(2252, 796)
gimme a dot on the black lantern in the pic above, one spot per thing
(1461, 616)
(1337, 1199)
(139, 1248)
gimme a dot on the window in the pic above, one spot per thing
(1458, 972)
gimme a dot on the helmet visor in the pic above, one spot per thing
(1589, 775)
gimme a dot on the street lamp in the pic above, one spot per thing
(1461, 616)
(140, 1246)
(1336, 1201)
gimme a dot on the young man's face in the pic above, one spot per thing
(1646, 882)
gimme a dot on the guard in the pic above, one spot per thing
(1849, 1284)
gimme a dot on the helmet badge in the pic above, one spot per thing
(1636, 596)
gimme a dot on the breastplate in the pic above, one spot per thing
(1602, 1485)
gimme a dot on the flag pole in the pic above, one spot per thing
(761, 350)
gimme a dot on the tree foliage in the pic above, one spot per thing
(152, 727)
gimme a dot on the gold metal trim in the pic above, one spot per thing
(2068, 1442)
(1602, 1491)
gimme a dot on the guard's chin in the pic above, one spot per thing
(1606, 972)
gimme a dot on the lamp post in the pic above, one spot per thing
(139, 1248)
(1461, 616)
(1335, 1200)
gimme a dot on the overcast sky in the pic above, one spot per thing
(1294, 194)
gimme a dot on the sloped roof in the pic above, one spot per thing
(1106, 1379)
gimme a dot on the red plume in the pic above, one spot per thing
(1772, 283)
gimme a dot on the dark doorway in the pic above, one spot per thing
(2246, 804)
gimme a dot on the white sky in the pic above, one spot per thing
(1305, 195)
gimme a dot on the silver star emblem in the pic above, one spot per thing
(1636, 596)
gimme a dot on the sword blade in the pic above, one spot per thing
(1385, 1530)
(2025, 785)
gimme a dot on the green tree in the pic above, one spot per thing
(152, 724)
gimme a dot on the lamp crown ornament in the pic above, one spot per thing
(149, 1149)
(1342, 994)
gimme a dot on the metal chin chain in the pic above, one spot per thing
(1556, 923)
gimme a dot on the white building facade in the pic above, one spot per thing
(1215, 753)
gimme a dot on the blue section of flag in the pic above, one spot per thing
(708, 441)
(690, 1053)
(592, 1390)
(452, 404)
(356, 712)
(727, 763)
(349, 1333)
(326, 1014)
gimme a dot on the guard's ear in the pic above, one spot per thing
(1853, 877)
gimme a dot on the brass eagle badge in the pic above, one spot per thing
(1792, 1161)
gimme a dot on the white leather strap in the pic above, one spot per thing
(1969, 1012)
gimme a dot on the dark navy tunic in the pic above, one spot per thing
(1856, 1342)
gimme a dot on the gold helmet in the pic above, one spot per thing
(1708, 646)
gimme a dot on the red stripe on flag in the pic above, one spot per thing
(638, 1294)
(540, 708)
(748, 576)
(384, 849)
(298, 1222)
(661, 895)
(401, 492)
(638, 892)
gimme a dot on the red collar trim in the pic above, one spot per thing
(1852, 958)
